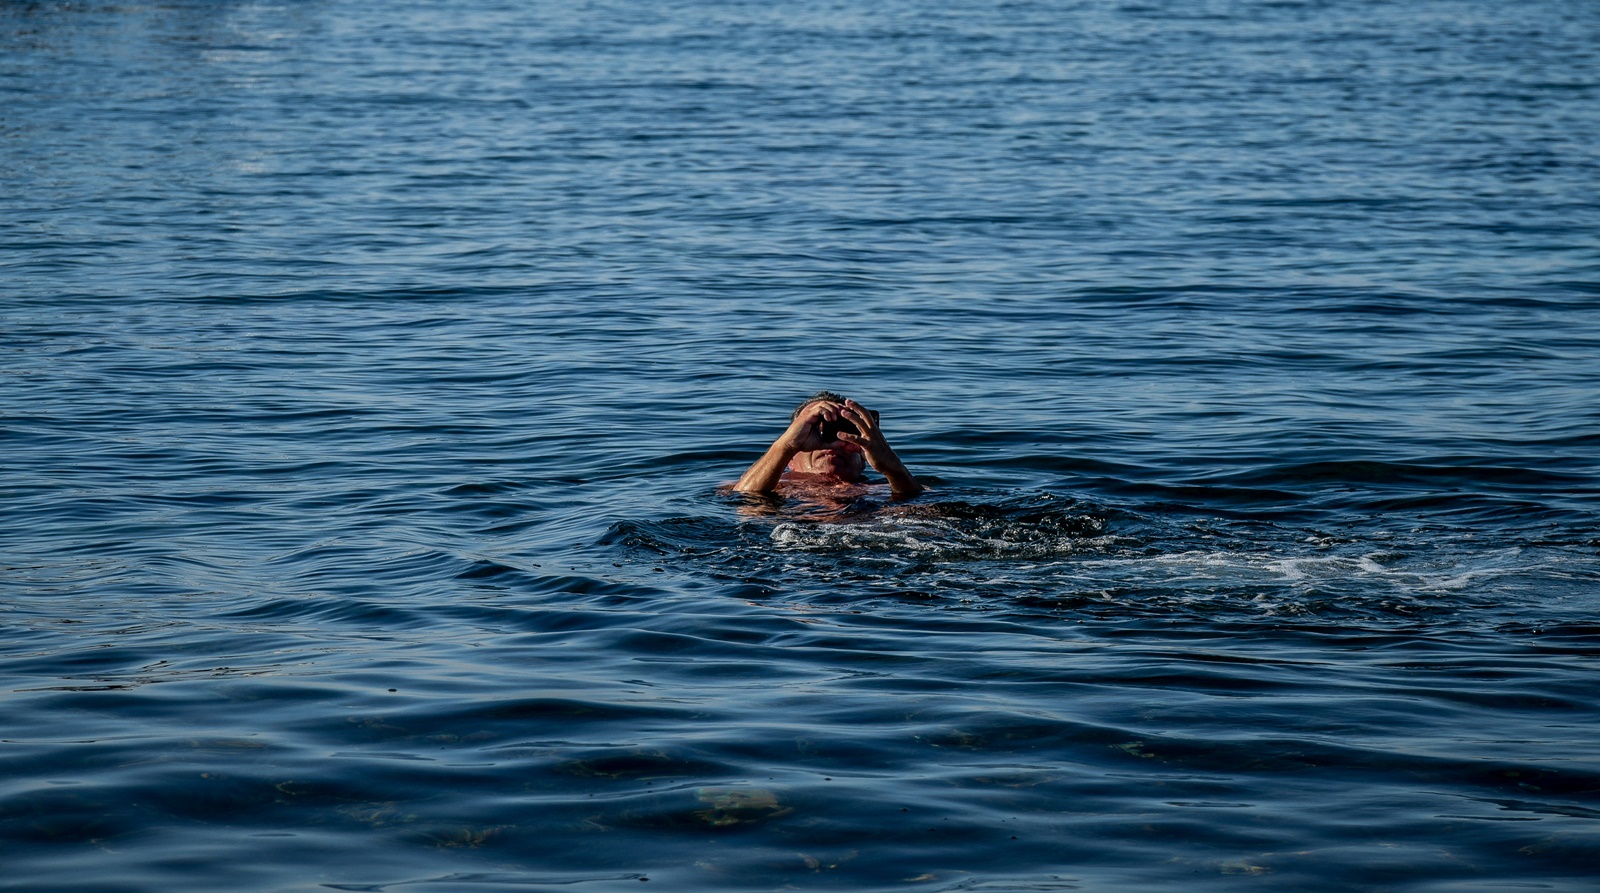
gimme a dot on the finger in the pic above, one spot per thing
(817, 412)
(860, 417)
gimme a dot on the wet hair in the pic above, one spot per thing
(814, 398)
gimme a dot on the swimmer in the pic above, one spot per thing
(830, 441)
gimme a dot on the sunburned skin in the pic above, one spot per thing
(825, 452)
(815, 499)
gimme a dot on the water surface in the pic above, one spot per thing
(371, 372)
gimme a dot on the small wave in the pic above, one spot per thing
(1471, 474)
(934, 537)
(1071, 557)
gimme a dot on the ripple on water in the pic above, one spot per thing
(1098, 561)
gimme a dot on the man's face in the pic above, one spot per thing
(837, 460)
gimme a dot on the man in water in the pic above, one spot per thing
(830, 441)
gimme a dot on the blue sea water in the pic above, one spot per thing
(370, 372)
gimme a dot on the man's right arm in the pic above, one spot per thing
(763, 476)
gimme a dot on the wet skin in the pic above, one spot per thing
(802, 450)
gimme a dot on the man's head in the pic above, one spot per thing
(837, 458)
(827, 397)
(818, 397)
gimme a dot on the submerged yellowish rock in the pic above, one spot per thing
(734, 806)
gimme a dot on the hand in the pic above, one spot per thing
(805, 432)
(879, 454)
(870, 440)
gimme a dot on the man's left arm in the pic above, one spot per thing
(880, 455)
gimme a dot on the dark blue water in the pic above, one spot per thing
(370, 371)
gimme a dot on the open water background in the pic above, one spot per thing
(370, 369)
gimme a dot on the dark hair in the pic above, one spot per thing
(814, 398)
